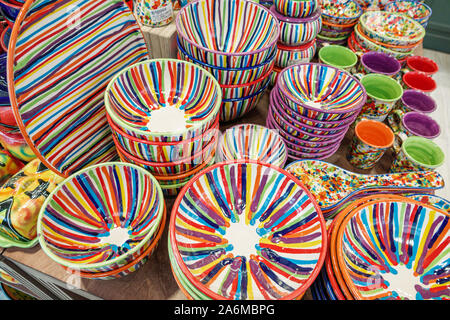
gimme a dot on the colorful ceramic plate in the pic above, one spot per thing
(248, 230)
(395, 249)
(64, 53)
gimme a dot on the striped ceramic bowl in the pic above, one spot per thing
(296, 8)
(298, 31)
(163, 100)
(101, 218)
(321, 92)
(289, 55)
(227, 33)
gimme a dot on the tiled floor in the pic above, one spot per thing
(442, 113)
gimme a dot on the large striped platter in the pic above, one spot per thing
(62, 55)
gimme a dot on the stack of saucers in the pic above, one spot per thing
(264, 238)
(389, 32)
(387, 247)
(235, 40)
(338, 20)
(104, 221)
(417, 10)
(312, 106)
(164, 115)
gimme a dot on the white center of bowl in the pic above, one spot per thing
(403, 282)
(117, 236)
(243, 238)
(314, 104)
(167, 119)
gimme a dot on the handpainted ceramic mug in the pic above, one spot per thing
(338, 57)
(411, 124)
(382, 94)
(370, 142)
(418, 154)
(421, 64)
(381, 63)
(414, 100)
(419, 81)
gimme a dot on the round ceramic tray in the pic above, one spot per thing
(252, 224)
(62, 58)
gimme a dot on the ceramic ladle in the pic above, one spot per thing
(333, 186)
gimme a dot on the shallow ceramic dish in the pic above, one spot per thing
(332, 185)
(278, 103)
(394, 249)
(298, 31)
(163, 151)
(101, 218)
(340, 11)
(57, 94)
(391, 28)
(243, 212)
(288, 55)
(163, 98)
(417, 10)
(296, 8)
(251, 141)
(321, 92)
(230, 75)
(232, 109)
(243, 37)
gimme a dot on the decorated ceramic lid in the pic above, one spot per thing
(63, 54)
(247, 230)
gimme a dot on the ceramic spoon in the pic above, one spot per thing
(333, 186)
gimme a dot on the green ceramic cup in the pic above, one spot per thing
(418, 154)
(338, 56)
(382, 94)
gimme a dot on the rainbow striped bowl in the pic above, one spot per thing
(296, 8)
(254, 142)
(163, 100)
(101, 218)
(288, 55)
(298, 31)
(393, 249)
(321, 92)
(228, 33)
(254, 227)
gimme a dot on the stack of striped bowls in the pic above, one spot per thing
(338, 20)
(300, 23)
(164, 115)
(235, 40)
(312, 106)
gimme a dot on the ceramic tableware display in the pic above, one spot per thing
(417, 10)
(250, 141)
(113, 210)
(289, 55)
(412, 124)
(414, 100)
(419, 81)
(403, 261)
(383, 92)
(63, 120)
(333, 186)
(421, 64)
(339, 17)
(338, 56)
(247, 224)
(298, 31)
(370, 141)
(296, 8)
(214, 44)
(379, 62)
(418, 154)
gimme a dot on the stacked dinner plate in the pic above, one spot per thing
(254, 244)
(389, 32)
(164, 115)
(338, 20)
(387, 248)
(312, 107)
(235, 40)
